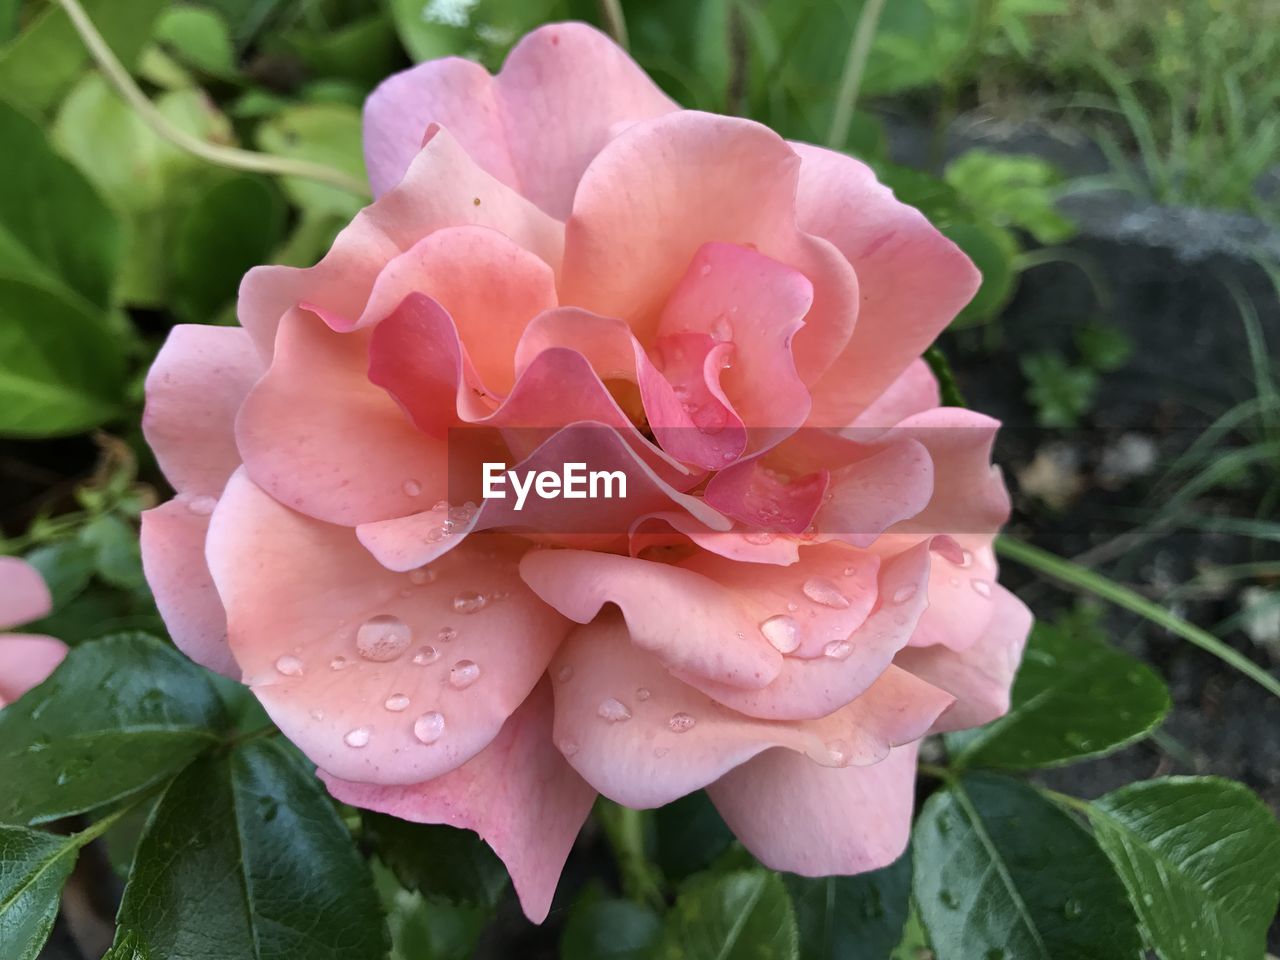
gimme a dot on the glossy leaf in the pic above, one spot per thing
(1075, 696)
(690, 834)
(33, 868)
(118, 716)
(861, 916)
(1200, 858)
(1003, 874)
(246, 856)
(610, 930)
(438, 860)
(740, 915)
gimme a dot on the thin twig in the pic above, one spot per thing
(230, 157)
(855, 66)
(614, 21)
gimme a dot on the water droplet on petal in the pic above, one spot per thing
(758, 537)
(396, 702)
(446, 634)
(642, 693)
(705, 270)
(357, 738)
(840, 752)
(823, 591)
(981, 587)
(792, 606)
(568, 746)
(463, 674)
(339, 663)
(469, 601)
(202, 506)
(681, 723)
(429, 727)
(904, 593)
(383, 638)
(289, 666)
(782, 631)
(412, 488)
(837, 649)
(565, 674)
(425, 656)
(720, 330)
(613, 710)
(317, 715)
(420, 576)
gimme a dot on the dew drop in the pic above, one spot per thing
(469, 601)
(681, 723)
(429, 727)
(357, 738)
(202, 506)
(1073, 909)
(642, 693)
(705, 270)
(840, 752)
(792, 606)
(904, 593)
(289, 666)
(425, 656)
(568, 746)
(837, 649)
(782, 631)
(446, 634)
(397, 702)
(823, 591)
(758, 537)
(613, 710)
(421, 575)
(317, 715)
(948, 899)
(981, 587)
(383, 638)
(565, 674)
(412, 488)
(720, 330)
(463, 674)
(339, 663)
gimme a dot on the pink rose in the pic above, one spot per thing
(26, 660)
(799, 584)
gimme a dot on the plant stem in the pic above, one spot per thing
(625, 829)
(615, 23)
(1074, 575)
(230, 157)
(855, 66)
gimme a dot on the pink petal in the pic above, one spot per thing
(810, 688)
(300, 595)
(26, 660)
(868, 496)
(685, 405)
(912, 280)
(536, 126)
(795, 815)
(981, 676)
(685, 619)
(915, 391)
(194, 389)
(23, 594)
(743, 544)
(173, 538)
(420, 204)
(657, 193)
(754, 494)
(518, 794)
(322, 439)
(643, 738)
(961, 582)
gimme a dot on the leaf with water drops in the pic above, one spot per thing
(437, 860)
(740, 915)
(33, 868)
(1003, 874)
(861, 916)
(246, 856)
(1075, 696)
(118, 716)
(1200, 858)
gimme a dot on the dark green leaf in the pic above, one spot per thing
(119, 715)
(690, 835)
(117, 558)
(1003, 874)
(861, 916)
(233, 226)
(67, 567)
(1200, 858)
(1075, 696)
(424, 928)
(129, 947)
(610, 930)
(741, 915)
(246, 857)
(1103, 347)
(1060, 392)
(53, 226)
(438, 861)
(33, 868)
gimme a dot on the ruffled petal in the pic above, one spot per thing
(354, 662)
(518, 794)
(795, 815)
(915, 391)
(643, 738)
(23, 594)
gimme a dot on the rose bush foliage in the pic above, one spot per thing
(800, 583)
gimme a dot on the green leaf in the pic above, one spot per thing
(1200, 858)
(129, 947)
(326, 133)
(118, 716)
(38, 66)
(52, 223)
(236, 224)
(33, 868)
(1103, 347)
(861, 916)
(246, 856)
(610, 930)
(1003, 874)
(116, 554)
(690, 835)
(427, 929)
(66, 566)
(742, 915)
(62, 368)
(992, 250)
(438, 861)
(1011, 190)
(1075, 696)
(481, 29)
(199, 38)
(1060, 392)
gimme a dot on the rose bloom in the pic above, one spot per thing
(26, 660)
(799, 584)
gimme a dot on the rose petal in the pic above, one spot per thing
(518, 794)
(26, 660)
(298, 594)
(23, 594)
(915, 391)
